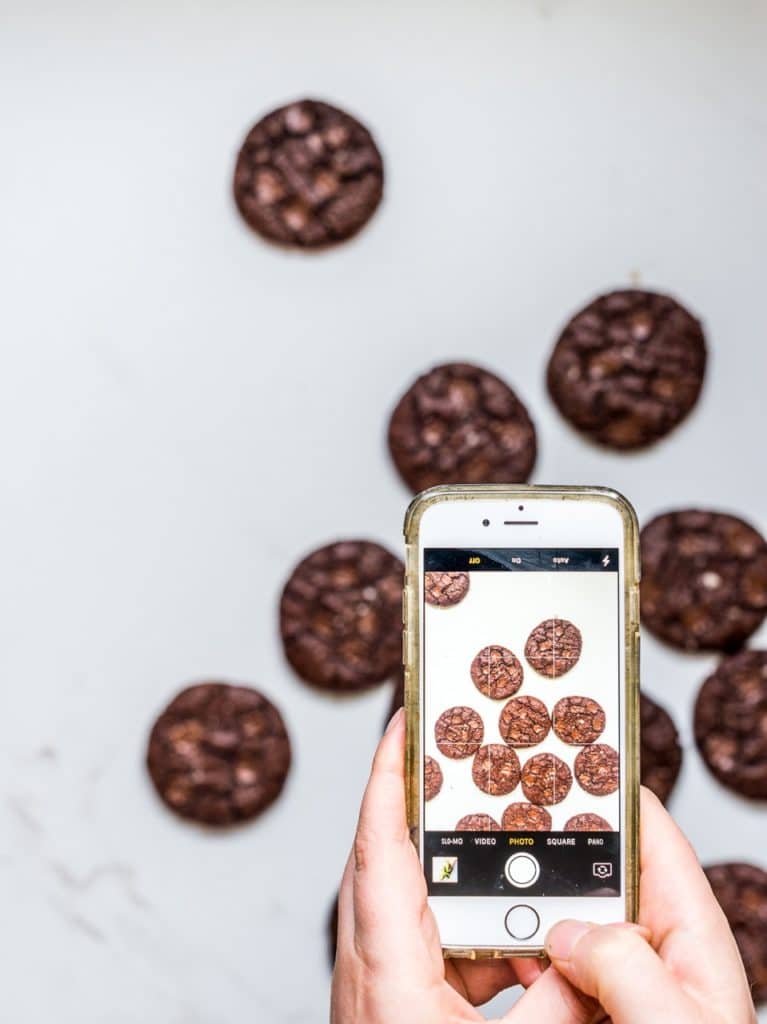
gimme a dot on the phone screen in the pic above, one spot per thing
(521, 721)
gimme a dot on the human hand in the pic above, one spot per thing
(389, 965)
(682, 965)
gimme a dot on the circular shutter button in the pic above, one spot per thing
(522, 870)
(522, 922)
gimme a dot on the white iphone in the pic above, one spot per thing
(521, 659)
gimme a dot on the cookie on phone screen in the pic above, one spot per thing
(432, 778)
(477, 823)
(554, 647)
(522, 817)
(578, 720)
(587, 823)
(459, 732)
(546, 779)
(444, 589)
(495, 769)
(497, 672)
(524, 722)
(597, 769)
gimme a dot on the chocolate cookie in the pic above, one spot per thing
(432, 778)
(731, 723)
(628, 368)
(523, 817)
(219, 754)
(546, 779)
(495, 769)
(554, 647)
(578, 720)
(597, 769)
(460, 424)
(587, 823)
(477, 823)
(741, 890)
(459, 732)
(341, 618)
(496, 672)
(524, 722)
(308, 175)
(444, 589)
(332, 932)
(704, 579)
(660, 753)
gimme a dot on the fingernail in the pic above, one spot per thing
(561, 940)
(395, 718)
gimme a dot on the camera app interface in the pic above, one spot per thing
(521, 723)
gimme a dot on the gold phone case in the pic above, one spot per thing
(412, 662)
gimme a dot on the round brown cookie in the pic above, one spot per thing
(731, 723)
(546, 779)
(587, 823)
(496, 672)
(741, 890)
(443, 589)
(597, 769)
(477, 823)
(495, 769)
(432, 778)
(523, 817)
(578, 720)
(459, 732)
(332, 931)
(704, 579)
(524, 722)
(460, 424)
(219, 754)
(341, 616)
(308, 175)
(628, 368)
(554, 647)
(660, 752)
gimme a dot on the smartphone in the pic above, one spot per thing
(521, 650)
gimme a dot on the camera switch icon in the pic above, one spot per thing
(602, 870)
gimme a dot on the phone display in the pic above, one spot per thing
(521, 661)
(521, 721)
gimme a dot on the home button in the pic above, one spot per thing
(522, 922)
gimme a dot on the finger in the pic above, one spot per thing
(481, 980)
(346, 906)
(388, 884)
(688, 927)
(616, 966)
(553, 1000)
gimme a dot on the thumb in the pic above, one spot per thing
(617, 966)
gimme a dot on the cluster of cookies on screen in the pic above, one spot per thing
(625, 372)
(515, 755)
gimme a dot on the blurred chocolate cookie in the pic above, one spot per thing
(731, 723)
(741, 890)
(597, 768)
(459, 732)
(704, 579)
(660, 752)
(495, 769)
(444, 589)
(308, 175)
(554, 647)
(524, 722)
(477, 823)
(219, 754)
(460, 424)
(628, 368)
(341, 616)
(497, 672)
(522, 817)
(546, 779)
(432, 778)
(578, 720)
(587, 823)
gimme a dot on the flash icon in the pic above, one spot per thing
(606, 561)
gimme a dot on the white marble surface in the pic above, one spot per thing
(185, 410)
